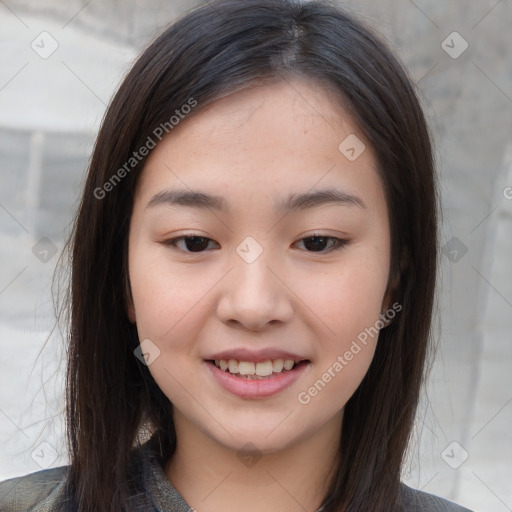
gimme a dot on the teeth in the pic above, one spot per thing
(288, 364)
(278, 365)
(246, 368)
(251, 369)
(264, 369)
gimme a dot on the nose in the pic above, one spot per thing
(255, 295)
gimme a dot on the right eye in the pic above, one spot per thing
(192, 243)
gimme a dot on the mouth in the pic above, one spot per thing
(257, 380)
(262, 370)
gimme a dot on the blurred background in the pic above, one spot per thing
(60, 64)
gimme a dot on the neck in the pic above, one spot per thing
(213, 478)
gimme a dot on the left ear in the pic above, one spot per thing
(130, 311)
(395, 277)
(128, 301)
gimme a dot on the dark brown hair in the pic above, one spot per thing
(221, 47)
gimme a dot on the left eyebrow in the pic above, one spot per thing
(318, 198)
(294, 202)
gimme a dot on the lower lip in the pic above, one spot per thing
(257, 388)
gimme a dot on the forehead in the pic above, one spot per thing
(287, 136)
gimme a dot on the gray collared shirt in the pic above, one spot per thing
(152, 491)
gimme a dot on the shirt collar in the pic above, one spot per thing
(155, 485)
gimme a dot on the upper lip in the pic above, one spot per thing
(256, 356)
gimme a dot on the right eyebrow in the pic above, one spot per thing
(194, 199)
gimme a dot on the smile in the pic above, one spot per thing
(248, 379)
(252, 370)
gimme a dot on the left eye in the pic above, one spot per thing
(197, 244)
(317, 242)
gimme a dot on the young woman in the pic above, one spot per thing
(253, 274)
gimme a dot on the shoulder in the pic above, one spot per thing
(37, 492)
(417, 501)
(45, 491)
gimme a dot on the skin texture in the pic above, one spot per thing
(254, 147)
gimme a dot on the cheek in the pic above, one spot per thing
(348, 305)
(164, 299)
(169, 308)
(348, 298)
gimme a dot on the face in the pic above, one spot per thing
(253, 276)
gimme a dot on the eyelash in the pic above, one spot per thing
(339, 243)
